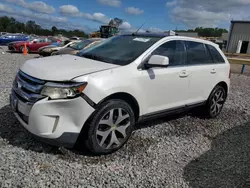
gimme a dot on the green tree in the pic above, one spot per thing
(54, 30)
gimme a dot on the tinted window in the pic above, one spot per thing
(217, 58)
(174, 50)
(197, 54)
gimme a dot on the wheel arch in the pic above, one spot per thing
(119, 95)
(224, 85)
(130, 99)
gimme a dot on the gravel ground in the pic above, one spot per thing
(182, 151)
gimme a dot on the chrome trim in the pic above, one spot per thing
(28, 96)
(29, 87)
(65, 85)
(35, 80)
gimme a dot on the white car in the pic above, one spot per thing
(48, 50)
(97, 97)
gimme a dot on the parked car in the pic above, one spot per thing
(3, 33)
(5, 39)
(75, 38)
(97, 97)
(32, 45)
(74, 49)
(47, 50)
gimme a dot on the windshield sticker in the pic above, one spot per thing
(141, 39)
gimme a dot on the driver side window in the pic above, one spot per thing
(174, 50)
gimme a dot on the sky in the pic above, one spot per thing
(158, 15)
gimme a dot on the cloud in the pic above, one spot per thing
(99, 17)
(69, 10)
(212, 13)
(40, 18)
(72, 11)
(134, 11)
(36, 6)
(171, 3)
(125, 26)
(112, 3)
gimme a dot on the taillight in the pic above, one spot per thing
(229, 76)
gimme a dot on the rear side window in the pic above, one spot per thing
(197, 53)
(174, 50)
(217, 58)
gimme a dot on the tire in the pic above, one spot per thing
(53, 53)
(103, 139)
(21, 49)
(215, 102)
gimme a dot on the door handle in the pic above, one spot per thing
(213, 71)
(183, 74)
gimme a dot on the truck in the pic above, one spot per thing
(108, 30)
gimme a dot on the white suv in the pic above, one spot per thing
(97, 97)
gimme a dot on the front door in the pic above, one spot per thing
(166, 88)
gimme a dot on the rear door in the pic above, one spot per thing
(203, 72)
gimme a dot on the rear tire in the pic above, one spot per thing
(110, 127)
(215, 102)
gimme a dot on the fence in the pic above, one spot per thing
(239, 61)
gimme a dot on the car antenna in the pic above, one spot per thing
(139, 28)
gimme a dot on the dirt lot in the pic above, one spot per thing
(180, 151)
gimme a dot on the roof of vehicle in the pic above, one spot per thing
(160, 35)
(163, 35)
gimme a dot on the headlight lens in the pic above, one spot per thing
(63, 91)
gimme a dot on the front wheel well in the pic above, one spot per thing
(127, 98)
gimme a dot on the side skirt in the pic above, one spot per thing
(168, 112)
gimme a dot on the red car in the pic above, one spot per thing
(32, 45)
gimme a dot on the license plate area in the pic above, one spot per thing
(19, 106)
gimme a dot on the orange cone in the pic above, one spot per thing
(25, 51)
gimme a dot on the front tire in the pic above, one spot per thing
(215, 102)
(21, 49)
(110, 127)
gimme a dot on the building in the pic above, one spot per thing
(239, 37)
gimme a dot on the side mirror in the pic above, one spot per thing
(34, 42)
(157, 61)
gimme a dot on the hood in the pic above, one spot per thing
(63, 68)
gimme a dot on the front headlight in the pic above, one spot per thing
(63, 90)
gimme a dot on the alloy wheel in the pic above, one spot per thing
(112, 128)
(217, 102)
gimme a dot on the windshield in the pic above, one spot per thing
(63, 43)
(120, 50)
(81, 45)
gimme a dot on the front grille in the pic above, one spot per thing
(27, 88)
